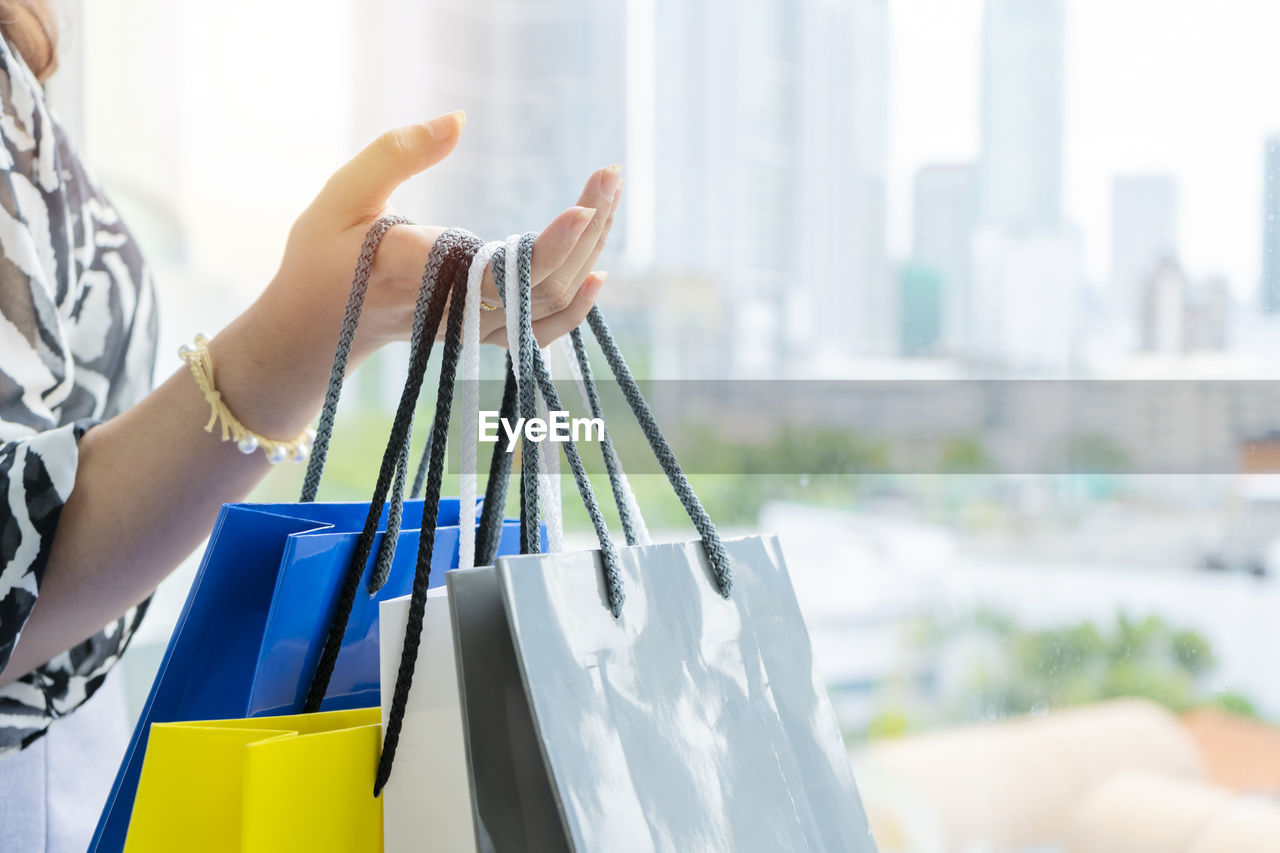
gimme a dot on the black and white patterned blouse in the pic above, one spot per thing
(77, 345)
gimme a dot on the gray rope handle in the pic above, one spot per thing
(420, 478)
(611, 463)
(717, 557)
(351, 319)
(534, 369)
(489, 532)
(427, 313)
(527, 397)
(610, 457)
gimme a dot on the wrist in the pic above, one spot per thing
(271, 366)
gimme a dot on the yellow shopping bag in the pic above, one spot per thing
(297, 783)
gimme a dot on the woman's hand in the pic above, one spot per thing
(150, 480)
(315, 274)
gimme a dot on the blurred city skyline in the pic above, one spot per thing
(780, 165)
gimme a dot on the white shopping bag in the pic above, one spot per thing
(427, 801)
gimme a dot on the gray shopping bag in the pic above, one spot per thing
(650, 698)
(512, 802)
(690, 722)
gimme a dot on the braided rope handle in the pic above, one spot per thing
(350, 319)
(717, 557)
(461, 255)
(427, 314)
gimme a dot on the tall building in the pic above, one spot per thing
(544, 88)
(1164, 308)
(920, 297)
(1271, 228)
(843, 157)
(1144, 233)
(1026, 262)
(754, 154)
(1026, 291)
(763, 147)
(1020, 172)
(943, 216)
(1208, 306)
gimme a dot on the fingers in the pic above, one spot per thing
(553, 326)
(551, 249)
(362, 187)
(563, 322)
(558, 288)
(590, 263)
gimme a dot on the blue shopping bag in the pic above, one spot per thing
(266, 620)
(256, 618)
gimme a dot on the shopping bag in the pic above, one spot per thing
(257, 622)
(689, 722)
(429, 796)
(512, 803)
(264, 570)
(671, 688)
(264, 785)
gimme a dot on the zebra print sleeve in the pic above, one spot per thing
(77, 346)
(36, 475)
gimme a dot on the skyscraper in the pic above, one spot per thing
(1271, 228)
(754, 154)
(764, 144)
(944, 201)
(1020, 173)
(843, 98)
(1026, 264)
(544, 86)
(1144, 234)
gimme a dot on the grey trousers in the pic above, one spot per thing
(52, 792)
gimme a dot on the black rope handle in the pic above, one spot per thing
(431, 502)
(489, 534)
(351, 319)
(428, 311)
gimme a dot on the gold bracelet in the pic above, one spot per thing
(247, 441)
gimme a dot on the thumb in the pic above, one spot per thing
(365, 183)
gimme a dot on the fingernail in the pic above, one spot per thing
(584, 216)
(609, 180)
(601, 276)
(446, 126)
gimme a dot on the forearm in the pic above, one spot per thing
(150, 481)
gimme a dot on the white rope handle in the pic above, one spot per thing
(549, 478)
(470, 415)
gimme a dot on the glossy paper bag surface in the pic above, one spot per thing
(308, 585)
(209, 668)
(512, 802)
(691, 722)
(428, 795)
(278, 784)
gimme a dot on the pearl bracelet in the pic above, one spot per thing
(201, 363)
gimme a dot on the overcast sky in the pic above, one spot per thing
(1180, 86)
